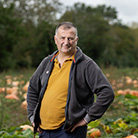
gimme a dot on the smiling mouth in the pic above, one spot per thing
(66, 46)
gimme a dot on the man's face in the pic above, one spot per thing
(66, 40)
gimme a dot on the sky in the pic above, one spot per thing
(127, 10)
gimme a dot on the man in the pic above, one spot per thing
(61, 91)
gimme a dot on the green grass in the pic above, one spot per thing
(11, 113)
(117, 73)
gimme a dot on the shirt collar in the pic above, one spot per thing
(70, 58)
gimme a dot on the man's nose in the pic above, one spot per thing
(66, 41)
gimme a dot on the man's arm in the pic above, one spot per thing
(100, 86)
(33, 91)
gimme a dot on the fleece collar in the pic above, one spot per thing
(77, 56)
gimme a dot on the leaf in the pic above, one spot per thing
(123, 125)
(93, 124)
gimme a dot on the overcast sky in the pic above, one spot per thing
(127, 9)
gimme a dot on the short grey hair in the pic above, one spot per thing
(66, 25)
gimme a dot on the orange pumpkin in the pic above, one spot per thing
(25, 95)
(2, 89)
(94, 133)
(11, 96)
(24, 127)
(24, 105)
(134, 92)
(25, 88)
(131, 136)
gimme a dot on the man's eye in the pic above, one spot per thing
(62, 38)
(70, 38)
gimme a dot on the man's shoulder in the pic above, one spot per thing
(87, 59)
(48, 58)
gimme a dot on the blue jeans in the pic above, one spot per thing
(79, 132)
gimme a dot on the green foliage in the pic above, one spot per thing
(102, 36)
(10, 34)
(34, 12)
(27, 33)
(92, 25)
(119, 121)
(93, 124)
(44, 43)
(16, 132)
(122, 125)
(11, 112)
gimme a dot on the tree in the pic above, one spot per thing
(35, 11)
(122, 51)
(10, 33)
(93, 25)
(34, 14)
(134, 30)
(44, 44)
(102, 36)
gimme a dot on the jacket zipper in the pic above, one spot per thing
(69, 91)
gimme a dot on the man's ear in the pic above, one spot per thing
(55, 39)
(77, 38)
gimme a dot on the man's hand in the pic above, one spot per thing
(33, 124)
(38, 129)
(80, 123)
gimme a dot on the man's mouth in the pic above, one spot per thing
(66, 46)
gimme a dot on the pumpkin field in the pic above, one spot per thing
(120, 120)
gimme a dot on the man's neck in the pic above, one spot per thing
(62, 57)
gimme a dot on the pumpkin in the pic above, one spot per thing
(25, 127)
(131, 136)
(24, 105)
(25, 88)
(11, 96)
(94, 133)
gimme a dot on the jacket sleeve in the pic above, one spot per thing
(33, 91)
(100, 86)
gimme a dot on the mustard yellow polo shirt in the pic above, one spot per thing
(52, 111)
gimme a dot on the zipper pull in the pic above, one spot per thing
(47, 72)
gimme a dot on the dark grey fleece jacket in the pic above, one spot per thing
(85, 80)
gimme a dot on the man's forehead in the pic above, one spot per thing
(62, 28)
(70, 32)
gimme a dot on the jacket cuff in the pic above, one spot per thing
(87, 119)
(32, 119)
